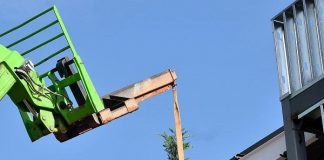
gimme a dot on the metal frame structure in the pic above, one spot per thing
(47, 108)
(78, 80)
(299, 40)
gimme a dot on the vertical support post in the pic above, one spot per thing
(295, 139)
(322, 116)
(177, 122)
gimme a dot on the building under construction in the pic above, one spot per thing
(298, 33)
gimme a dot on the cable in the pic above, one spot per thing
(27, 79)
(23, 73)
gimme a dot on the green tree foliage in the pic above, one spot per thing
(170, 143)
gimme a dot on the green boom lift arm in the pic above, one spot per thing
(48, 108)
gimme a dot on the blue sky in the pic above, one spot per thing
(223, 54)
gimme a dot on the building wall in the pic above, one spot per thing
(272, 149)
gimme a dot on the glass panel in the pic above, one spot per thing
(303, 47)
(313, 40)
(320, 21)
(293, 62)
(281, 59)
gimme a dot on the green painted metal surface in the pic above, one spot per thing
(46, 108)
(6, 81)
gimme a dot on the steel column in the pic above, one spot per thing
(295, 139)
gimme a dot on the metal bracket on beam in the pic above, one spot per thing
(310, 109)
(320, 108)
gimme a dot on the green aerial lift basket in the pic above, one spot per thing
(78, 80)
(48, 108)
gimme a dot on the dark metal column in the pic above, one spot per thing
(295, 139)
